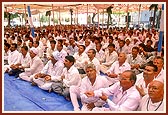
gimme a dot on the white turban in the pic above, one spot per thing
(34, 50)
(56, 55)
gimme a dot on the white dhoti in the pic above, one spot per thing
(75, 95)
(45, 85)
(100, 109)
(27, 76)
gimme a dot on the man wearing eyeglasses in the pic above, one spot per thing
(125, 96)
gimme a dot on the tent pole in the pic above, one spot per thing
(53, 18)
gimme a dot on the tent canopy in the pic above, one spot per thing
(80, 7)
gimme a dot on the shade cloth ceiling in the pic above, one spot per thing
(77, 8)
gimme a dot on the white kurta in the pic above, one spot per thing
(78, 92)
(121, 101)
(24, 61)
(80, 60)
(36, 65)
(109, 60)
(72, 77)
(147, 105)
(53, 70)
(96, 62)
(116, 69)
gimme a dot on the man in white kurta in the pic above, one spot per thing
(144, 79)
(117, 68)
(90, 82)
(36, 65)
(154, 100)
(135, 60)
(23, 61)
(92, 59)
(13, 57)
(125, 97)
(80, 57)
(50, 72)
(109, 58)
(70, 76)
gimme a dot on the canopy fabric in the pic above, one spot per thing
(77, 8)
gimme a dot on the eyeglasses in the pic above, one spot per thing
(153, 88)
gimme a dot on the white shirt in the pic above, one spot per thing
(160, 76)
(137, 60)
(80, 60)
(100, 55)
(13, 57)
(96, 62)
(121, 101)
(128, 48)
(140, 82)
(53, 70)
(110, 58)
(72, 50)
(36, 65)
(72, 76)
(86, 85)
(147, 105)
(123, 49)
(116, 69)
(62, 54)
(50, 51)
(6, 54)
(24, 61)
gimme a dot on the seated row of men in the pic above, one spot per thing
(62, 74)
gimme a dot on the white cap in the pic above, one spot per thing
(34, 50)
(128, 38)
(56, 55)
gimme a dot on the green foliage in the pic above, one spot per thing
(12, 16)
(55, 20)
(67, 19)
(48, 13)
(43, 19)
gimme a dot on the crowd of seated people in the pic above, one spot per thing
(115, 69)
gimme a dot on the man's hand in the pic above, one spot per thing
(89, 93)
(141, 90)
(47, 78)
(104, 97)
(90, 106)
(62, 77)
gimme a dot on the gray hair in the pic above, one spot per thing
(91, 65)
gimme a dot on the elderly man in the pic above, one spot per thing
(90, 82)
(36, 65)
(125, 96)
(154, 100)
(50, 72)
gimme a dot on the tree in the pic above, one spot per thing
(10, 16)
(109, 12)
(48, 13)
(94, 14)
(43, 19)
(71, 11)
(155, 7)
